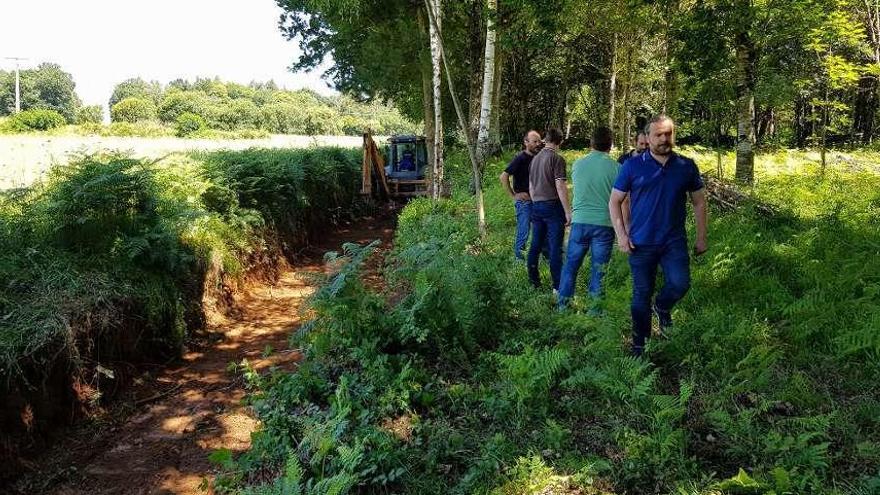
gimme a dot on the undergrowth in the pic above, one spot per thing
(461, 378)
(112, 251)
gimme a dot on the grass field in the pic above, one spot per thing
(26, 158)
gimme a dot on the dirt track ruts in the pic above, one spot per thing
(163, 446)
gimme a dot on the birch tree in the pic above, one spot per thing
(435, 12)
(483, 141)
(462, 123)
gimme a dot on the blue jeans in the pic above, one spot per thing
(523, 222)
(585, 238)
(548, 227)
(674, 260)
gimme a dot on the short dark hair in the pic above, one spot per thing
(601, 139)
(553, 135)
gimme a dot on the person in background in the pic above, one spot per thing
(518, 169)
(551, 211)
(592, 178)
(641, 146)
(659, 183)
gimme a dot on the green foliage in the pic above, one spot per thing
(458, 377)
(176, 103)
(111, 250)
(37, 119)
(47, 87)
(188, 124)
(90, 114)
(133, 110)
(136, 88)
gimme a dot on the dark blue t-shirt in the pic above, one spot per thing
(658, 196)
(519, 169)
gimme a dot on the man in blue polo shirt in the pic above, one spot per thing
(658, 182)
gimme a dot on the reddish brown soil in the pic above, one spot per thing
(158, 441)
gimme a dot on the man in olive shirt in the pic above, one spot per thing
(550, 209)
(591, 229)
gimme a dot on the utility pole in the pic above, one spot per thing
(17, 83)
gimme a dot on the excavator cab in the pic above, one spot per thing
(401, 173)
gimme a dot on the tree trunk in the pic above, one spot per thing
(483, 144)
(427, 91)
(612, 87)
(865, 108)
(428, 106)
(745, 103)
(670, 86)
(495, 126)
(462, 123)
(823, 136)
(436, 16)
(475, 75)
(623, 137)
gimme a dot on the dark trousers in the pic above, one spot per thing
(548, 228)
(674, 260)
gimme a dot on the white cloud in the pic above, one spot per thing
(102, 42)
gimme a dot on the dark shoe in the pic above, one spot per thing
(664, 319)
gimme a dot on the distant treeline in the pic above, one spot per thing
(49, 99)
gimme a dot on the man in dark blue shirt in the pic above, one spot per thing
(641, 146)
(658, 182)
(519, 170)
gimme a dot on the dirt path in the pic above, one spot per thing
(163, 446)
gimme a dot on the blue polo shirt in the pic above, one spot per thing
(658, 196)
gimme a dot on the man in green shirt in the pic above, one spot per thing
(592, 178)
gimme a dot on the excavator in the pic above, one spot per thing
(400, 173)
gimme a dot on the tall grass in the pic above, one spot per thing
(463, 379)
(106, 258)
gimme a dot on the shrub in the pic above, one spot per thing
(188, 124)
(137, 129)
(239, 114)
(133, 110)
(175, 103)
(136, 88)
(37, 119)
(90, 114)
(107, 255)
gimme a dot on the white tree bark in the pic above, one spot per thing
(745, 103)
(483, 142)
(462, 123)
(434, 27)
(612, 89)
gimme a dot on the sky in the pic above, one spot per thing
(103, 42)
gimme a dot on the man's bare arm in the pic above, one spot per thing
(615, 207)
(627, 212)
(505, 183)
(701, 218)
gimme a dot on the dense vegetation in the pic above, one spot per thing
(792, 72)
(108, 259)
(203, 108)
(461, 378)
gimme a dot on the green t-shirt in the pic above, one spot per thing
(593, 177)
